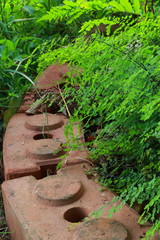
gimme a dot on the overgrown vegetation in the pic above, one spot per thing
(118, 96)
(22, 38)
(115, 44)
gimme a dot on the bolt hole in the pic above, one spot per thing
(75, 215)
(42, 136)
(48, 170)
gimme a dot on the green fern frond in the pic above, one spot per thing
(127, 6)
(136, 7)
(117, 6)
(75, 16)
(87, 26)
(94, 5)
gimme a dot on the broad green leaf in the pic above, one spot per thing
(117, 6)
(127, 6)
(136, 6)
(29, 9)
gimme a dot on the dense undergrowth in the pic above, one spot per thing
(116, 89)
(117, 94)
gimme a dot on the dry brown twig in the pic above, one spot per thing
(36, 105)
(69, 114)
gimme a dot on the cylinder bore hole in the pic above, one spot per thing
(75, 214)
(42, 136)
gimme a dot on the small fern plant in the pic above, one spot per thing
(84, 15)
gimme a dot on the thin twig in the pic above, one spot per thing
(152, 6)
(36, 105)
(69, 114)
(20, 62)
(145, 6)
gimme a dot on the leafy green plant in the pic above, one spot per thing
(117, 95)
(84, 15)
(20, 43)
(116, 92)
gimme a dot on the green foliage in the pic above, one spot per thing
(126, 6)
(20, 42)
(118, 94)
(22, 36)
(13, 81)
(92, 13)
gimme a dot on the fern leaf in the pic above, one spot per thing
(74, 16)
(117, 6)
(136, 6)
(87, 26)
(127, 6)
